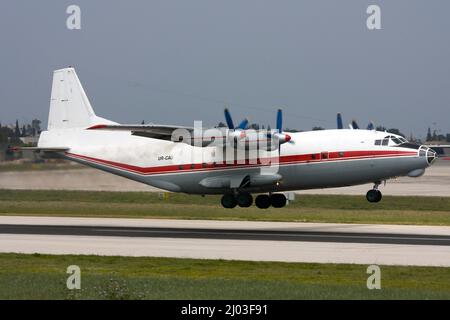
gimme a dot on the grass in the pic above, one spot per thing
(306, 208)
(29, 166)
(44, 277)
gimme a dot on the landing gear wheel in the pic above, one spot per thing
(379, 195)
(263, 201)
(278, 200)
(244, 200)
(374, 195)
(228, 201)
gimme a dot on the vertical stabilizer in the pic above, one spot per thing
(69, 105)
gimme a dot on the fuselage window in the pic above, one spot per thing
(385, 142)
(378, 142)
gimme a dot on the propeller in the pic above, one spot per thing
(235, 132)
(354, 124)
(278, 134)
(279, 120)
(242, 126)
(228, 118)
(339, 121)
(239, 131)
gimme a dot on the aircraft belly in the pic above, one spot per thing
(306, 176)
(313, 175)
(344, 173)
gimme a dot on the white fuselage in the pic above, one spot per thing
(315, 159)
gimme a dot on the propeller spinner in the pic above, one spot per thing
(281, 137)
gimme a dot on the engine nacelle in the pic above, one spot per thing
(264, 179)
(251, 139)
(240, 181)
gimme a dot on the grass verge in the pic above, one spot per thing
(44, 277)
(306, 208)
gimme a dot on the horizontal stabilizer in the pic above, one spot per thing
(39, 149)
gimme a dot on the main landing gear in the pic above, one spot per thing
(374, 195)
(277, 200)
(245, 200)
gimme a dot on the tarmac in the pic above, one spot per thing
(231, 240)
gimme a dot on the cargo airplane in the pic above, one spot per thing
(204, 161)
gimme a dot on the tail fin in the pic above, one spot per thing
(69, 105)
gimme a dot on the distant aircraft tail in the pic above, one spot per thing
(69, 105)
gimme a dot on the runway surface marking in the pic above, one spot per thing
(230, 234)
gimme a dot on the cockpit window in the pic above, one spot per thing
(396, 140)
(390, 141)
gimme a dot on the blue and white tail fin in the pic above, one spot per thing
(69, 105)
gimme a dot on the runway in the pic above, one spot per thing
(239, 240)
(229, 234)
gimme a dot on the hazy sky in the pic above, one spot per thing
(179, 61)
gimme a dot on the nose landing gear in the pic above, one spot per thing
(374, 195)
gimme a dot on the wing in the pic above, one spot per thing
(155, 131)
(165, 132)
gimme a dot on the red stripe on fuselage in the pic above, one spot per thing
(283, 160)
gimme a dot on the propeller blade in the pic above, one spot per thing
(228, 119)
(354, 124)
(279, 120)
(244, 124)
(339, 121)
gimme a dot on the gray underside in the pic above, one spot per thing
(300, 176)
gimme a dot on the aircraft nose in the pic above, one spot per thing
(428, 153)
(431, 156)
